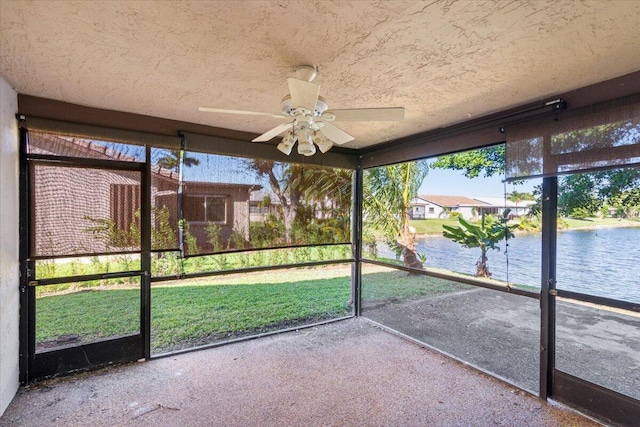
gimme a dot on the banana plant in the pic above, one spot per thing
(471, 235)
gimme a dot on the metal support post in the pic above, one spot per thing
(548, 285)
(145, 258)
(356, 241)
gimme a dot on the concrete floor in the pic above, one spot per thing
(500, 333)
(349, 373)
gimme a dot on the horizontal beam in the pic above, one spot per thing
(33, 106)
(485, 131)
(58, 117)
(223, 146)
(477, 133)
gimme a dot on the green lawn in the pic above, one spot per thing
(434, 226)
(431, 226)
(400, 285)
(192, 314)
(599, 222)
(184, 316)
(195, 312)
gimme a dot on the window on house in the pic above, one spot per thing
(205, 209)
(432, 210)
(124, 203)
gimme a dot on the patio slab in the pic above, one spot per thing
(500, 333)
(341, 374)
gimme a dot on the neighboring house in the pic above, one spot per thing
(263, 203)
(67, 202)
(435, 206)
(496, 205)
(226, 205)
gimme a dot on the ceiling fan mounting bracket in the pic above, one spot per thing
(306, 72)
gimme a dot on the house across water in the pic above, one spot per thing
(437, 206)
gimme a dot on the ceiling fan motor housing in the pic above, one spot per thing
(288, 109)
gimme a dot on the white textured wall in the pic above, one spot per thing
(9, 269)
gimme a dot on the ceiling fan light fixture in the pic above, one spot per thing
(323, 143)
(284, 148)
(306, 147)
(287, 143)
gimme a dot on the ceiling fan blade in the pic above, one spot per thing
(248, 113)
(368, 114)
(273, 132)
(303, 94)
(335, 134)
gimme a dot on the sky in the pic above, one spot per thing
(215, 168)
(454, 183)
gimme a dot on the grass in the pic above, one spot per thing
(191, 315)
(599, 222)
(434, 226)
(92, 314)
(199, 311)
(431, 226)
(195, 312)
(400, 285)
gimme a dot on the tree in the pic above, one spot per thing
(588, 192)
(475, 236)
(171, 161)
(626, 203)
(518, 197)
(298, 186)
(388, 192)
(289, 196)
(487, 161)
(329, 189)
(577, 193)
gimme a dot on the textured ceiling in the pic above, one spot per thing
(444, 61)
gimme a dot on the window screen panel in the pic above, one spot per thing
(598, 137)
(84, 210)
(232, 203)
(69, 146)
(164, 198)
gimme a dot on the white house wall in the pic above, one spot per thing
(9, 241)
(467, 212)
(437, 211)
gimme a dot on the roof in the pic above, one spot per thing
(78, 147)
(249, 187)
(450, 201)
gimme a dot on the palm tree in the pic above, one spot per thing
(330, 190)
(288, 186)
(517, 197)
(388, 192)
(171, 161)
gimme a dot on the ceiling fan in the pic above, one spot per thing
(309, 117)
